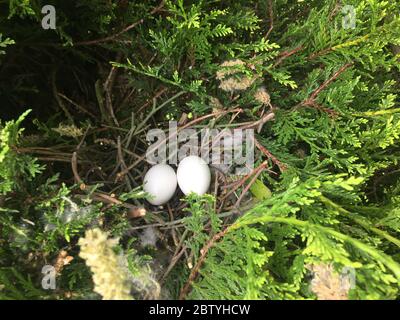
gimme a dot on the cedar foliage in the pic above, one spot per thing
(113, 69)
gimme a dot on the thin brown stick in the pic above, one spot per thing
(171, 218)
(105, 198)
(121, 160)
(282, 167)
(270, 115)
(83, 138)
(196, 268)
(79, 107)
(330, 80)
(335, 10)
(42, 151)
(172, 264)
(74, 165)
(56, 96)
(108, 84)
(237, 184)
(246, 189)
(271, 18)
(54, 159)
(74, 161)
(176, 256)
(286, 54)
(332, 113)
(311, 100)
(128, 94)
(157, 95)
(319, 53)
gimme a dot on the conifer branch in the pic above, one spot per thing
(326, 83)
(282, 167)
(376, 254)
(358, 220)
(286, 54)
(203, 253)
(311, 100)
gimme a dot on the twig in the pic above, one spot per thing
(270, 115)
(256, 175)
(79, 107)
(100, 101)
(286, 54)
(54, 159)
(339, 46)
(157, 95)
(311, 100)
(330, 80)
(105, 198)
(43, 151)
(107, 89)
(282, 167)
(196, 268)
(335, 10)
(74, 161)
(171, 217)
(122, 161)
(59, 101)
(128, 94)
(83, 138)
(172, 264)
(237, 184)
(319, 53)
(317, 106)
(74, 165)
(180, 222)
(177, 255)
(156, 109)
(271, 18)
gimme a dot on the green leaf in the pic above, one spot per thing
(260, 191)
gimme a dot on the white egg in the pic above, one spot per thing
(193, 175)
(160, 182)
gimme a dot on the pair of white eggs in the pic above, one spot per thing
(193, 175)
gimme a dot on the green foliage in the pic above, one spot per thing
(113, 69)
(4, 43)
(21, 8)
(17, 287)
(264, 256)
(14, 167)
